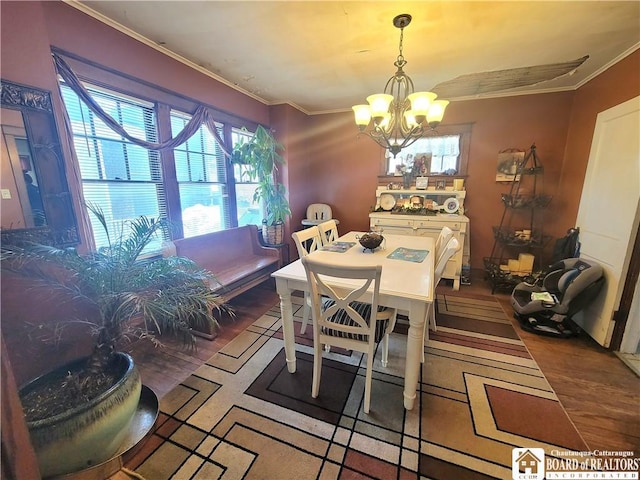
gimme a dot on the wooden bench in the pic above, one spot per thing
(234, 256)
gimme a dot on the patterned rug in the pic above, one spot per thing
(243, 416)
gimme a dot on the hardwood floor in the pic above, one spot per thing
(165, 367)
(600, 394)
(598, 391)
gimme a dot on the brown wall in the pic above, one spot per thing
(344, 167)
(289, 126)
(619, 83)
(25, 45)
(342, 170)
(34, 350)
(27, 30)
(326, 160)
(73, 31)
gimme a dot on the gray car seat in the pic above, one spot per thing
(568, 287)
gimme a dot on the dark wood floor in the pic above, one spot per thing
(600, 394)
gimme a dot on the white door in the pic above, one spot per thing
(607, 213)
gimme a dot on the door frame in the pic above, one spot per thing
(621, 316)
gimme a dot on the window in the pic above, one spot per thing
(249, 212)
(202, 180)
(192, 184)
(123, 179)
(444, 153)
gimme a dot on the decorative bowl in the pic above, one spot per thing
(370, 240)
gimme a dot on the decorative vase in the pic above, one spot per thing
(89, 434)
(406, 180)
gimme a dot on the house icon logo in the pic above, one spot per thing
(527, 463)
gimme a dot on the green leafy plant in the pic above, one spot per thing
(134, 297)
(261, 154)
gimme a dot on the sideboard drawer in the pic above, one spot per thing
(393, 222)
(436, 224)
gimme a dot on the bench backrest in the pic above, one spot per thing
(219, 248)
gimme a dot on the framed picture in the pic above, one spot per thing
(422, 164)
(422, 183)
(440, 184)
(508, 162)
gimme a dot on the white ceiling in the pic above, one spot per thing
(324, 56)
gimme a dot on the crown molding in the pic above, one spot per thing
(150, 43)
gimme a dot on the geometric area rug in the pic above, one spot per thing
(243, 416)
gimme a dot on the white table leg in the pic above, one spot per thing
(417, 317)
(287, 323)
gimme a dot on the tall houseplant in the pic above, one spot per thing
(261, 155)
(133, 297)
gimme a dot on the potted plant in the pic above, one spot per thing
(133, 297)
(261, 155)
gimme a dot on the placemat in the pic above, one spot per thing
(339, 247)
(408, 254)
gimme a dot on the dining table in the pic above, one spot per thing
(406, 284)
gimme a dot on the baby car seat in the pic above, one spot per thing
(568, 287)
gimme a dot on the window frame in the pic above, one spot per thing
(165, 101)
(463, 129)
(219, 163)
(102, 178)
(245, 134)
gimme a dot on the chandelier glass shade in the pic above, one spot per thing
(398, 117)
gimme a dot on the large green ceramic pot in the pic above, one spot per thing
(91, 433)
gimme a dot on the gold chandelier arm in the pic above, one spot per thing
(393, 143)
(398, 117)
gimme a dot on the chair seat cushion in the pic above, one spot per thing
(341, 317)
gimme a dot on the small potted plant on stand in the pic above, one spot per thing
(261, 155)
(78, 415)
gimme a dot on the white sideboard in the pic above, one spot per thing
(427, 225)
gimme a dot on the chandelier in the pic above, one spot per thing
(400, 116)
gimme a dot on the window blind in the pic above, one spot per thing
(202, 179)
(123, 179)
(248, 211)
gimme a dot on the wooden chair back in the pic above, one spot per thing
(445, 234)
(355, 332)
(328, 232)
(347, 317)
(447, 252)
(307, 241)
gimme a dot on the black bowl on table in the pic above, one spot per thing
(370, 240)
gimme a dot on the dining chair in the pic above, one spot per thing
(443, 238)
(342, 319)
(452, 246)
(328, 231)
(307, 241)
